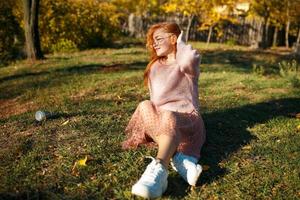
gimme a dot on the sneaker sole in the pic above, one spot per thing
(195, 179)
(143, 192)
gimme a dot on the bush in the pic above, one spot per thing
(290, 71)
(11, 34)
(231, 42)
(258, 69)
(288, 68)
(81, 24)
(64, 45)
(294, 81)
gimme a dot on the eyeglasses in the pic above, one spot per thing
(160, 40)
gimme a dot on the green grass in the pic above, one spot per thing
(252, 149)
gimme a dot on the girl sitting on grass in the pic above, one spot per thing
(171, 117)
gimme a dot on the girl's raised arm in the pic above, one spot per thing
(187, 58)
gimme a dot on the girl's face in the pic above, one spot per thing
(163, 43)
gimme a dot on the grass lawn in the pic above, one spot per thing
(252, 149)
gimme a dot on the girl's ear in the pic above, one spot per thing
(173, 39)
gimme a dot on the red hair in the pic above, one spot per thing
(169, 28)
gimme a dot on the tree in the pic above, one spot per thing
(277, 13)
(213, 13)
(33, 46)
(263, 9)
(187, 8)
(139, 13)
(294, 18)
(276, 18)
(11, 33)
(71, 25)
(288, 22)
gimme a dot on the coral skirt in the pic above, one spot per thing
(149, 121)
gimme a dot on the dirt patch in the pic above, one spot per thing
(114, 68)
(10, 107)
(275, 90)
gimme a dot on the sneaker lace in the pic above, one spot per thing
(153, 171)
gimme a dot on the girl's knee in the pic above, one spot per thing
(145, 104)
(174, 137)
(169, 118)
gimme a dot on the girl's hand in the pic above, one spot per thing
(187, 58)
(180, 39)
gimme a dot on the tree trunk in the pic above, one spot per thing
(255, 32)
(296, 46)
(264, 42)
(275, 37)
(33, 46)
(287, 27)
(267, 34)
(209, 35)
(298, 38)
(131, 25)
(135, 25)
(190, 21)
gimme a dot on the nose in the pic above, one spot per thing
(154, 44)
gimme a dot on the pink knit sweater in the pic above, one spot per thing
(174, 87)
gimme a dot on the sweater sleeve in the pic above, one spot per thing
(187, 58)
(149, 87)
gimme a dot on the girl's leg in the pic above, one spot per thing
(167, 146)
(168, 138)
(168, 141)
(161, 128)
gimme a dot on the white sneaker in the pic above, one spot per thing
(153, 182)
(187, 167)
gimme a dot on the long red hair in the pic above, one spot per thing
(169, 28)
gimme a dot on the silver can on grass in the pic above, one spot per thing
(42, 115)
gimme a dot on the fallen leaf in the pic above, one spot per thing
(66, 122)
(82, 162)
(74, 170)
(94, 177)
(247, 147)
(205, 167)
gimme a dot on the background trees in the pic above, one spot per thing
(69, 25)
(80, 24)
(11, 33)
(186, 8)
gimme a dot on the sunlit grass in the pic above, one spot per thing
(252, 149)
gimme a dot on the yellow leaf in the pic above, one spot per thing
(248, 147)
(82, 162)
(65, 122)
(298, 127)
(205, 167)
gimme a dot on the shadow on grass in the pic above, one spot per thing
(243, 60)
(39, 80)
(92, 68)
(227, 130)
(227, 133)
